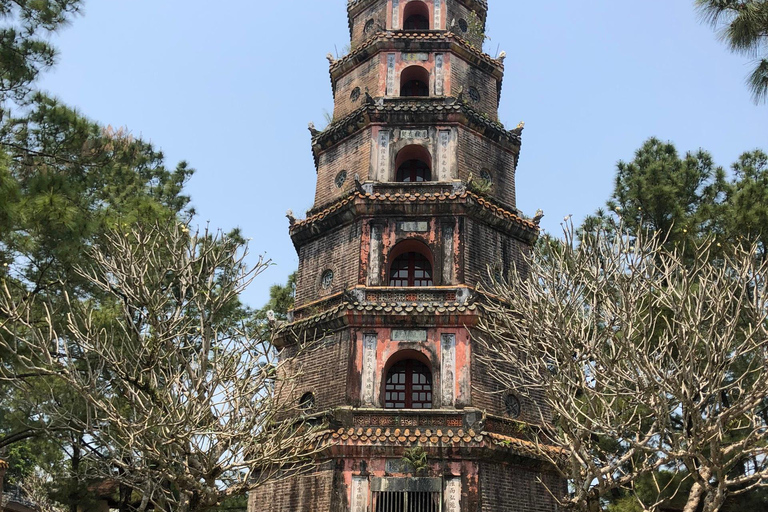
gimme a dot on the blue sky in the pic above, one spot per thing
(230, 87)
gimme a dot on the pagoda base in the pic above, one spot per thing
(419, 469)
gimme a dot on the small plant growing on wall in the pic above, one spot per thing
(476, 29)
(416, 458)
(479, 186)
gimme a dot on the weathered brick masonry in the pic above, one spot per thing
(414, 214)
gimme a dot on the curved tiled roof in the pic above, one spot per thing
(424, 437)
(406, 308)
(352, 3)
(338, 205)
(350, 123)
(415, 36)
(440, 438)
(393, 308)
(521, 445)
(497, 210)
(419, 197)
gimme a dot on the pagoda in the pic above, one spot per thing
(414, 214)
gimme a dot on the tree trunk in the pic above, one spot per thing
(185, 502)
(694, 497)
(75, 478)
(715, 500)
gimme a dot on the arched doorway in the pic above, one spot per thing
(416, 16)
(413, 165)
(414, 82)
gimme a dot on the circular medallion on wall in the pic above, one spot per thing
(369, 25)
(307, 402)
(326, 280)
(474, 94)
(486, 176)
(355, 95)
(340, 179)
(463, 25)
(512, 406)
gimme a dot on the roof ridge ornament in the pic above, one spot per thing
(359, 185)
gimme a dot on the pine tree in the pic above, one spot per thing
(64, 181)
(660, 192)
(744, 27)
(25, 51)
(746, 213)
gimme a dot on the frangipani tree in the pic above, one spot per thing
(649, 364)
(176, 386)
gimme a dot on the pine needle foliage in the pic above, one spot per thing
(743, 26)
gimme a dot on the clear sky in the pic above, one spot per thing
(230, 86)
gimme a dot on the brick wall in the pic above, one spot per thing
(338, 251)
(366, 75)
(489, 395)
(376, 12)
(306, 493)
(476, 153)
(329, 358)
(456, 12)
(352, 155)
(506, 487)
(464, 75)
(484, 247)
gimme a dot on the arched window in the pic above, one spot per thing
(413, 171)
(416, 22)
(416, 16)
(410, 270)
(410, 265)
(408, 386)
(413, 165)
(414, 81)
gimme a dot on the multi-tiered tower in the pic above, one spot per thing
(415, 206)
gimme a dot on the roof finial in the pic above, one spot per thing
(359, 184)
(368, 98)
(460, 96)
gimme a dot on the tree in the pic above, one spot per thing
(653, 367)
(661, 192)
(746, 215)
(24, 47)
(178, 394)
(645, 200)
(66, 182)
(281, 299)
(690, 198)
(745, 29)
